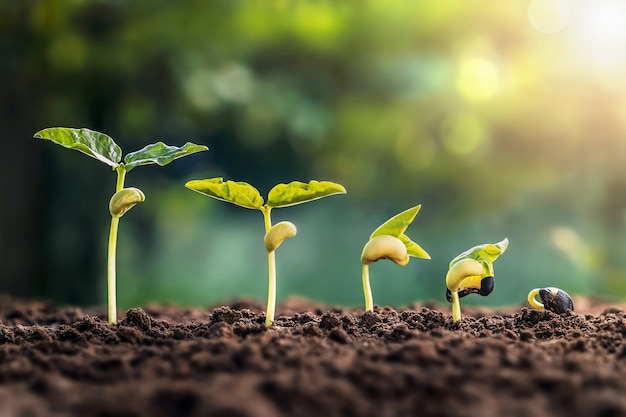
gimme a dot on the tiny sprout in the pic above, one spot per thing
(472, 273)
(389, 242)
(385, 247)
(102, 147)
(553, 299)
(281, 195)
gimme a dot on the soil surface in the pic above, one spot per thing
(167, 361)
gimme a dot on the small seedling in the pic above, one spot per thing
(553, 299)
(282, 195)
(104, 149)
(389, 242)
(472, 273)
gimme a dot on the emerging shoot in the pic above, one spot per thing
(102, 147)
(553, 299)
(385, 247)
(472, 273)
(389, 242)
(281, 195)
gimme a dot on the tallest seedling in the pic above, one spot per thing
(104, 149)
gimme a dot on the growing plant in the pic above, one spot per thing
(389, 242)
(101, 147)
(472, 273)
(553, 299)
(282, 195)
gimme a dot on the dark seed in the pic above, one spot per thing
(556, 300)
(486, 286)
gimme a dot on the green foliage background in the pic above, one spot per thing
(498, 130)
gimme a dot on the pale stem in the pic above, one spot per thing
(111, 278)
(367, 290)
(271, 269)
(112, 303)
(456, 306)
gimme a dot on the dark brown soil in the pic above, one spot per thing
(223, 362)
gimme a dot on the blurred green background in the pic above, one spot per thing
(505, 119)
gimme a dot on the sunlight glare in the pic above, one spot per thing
(600, 31)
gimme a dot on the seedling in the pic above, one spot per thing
(389, 242)
(553, 299)
(472, 273)
(104, 149)
(282, 195)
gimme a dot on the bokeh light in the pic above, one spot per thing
(549, 16)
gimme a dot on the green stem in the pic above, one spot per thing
(271, 269)
(121, 175)
(111, 273)
(456, 306)
(367, 290)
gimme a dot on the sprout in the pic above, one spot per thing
(389, 242)
(553, 299)
(385, 247)
(472, 273)
(101, 147)
(282, 195)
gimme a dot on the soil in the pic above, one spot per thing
(315, 361)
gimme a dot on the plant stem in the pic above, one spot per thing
(271, 291)
(367, 290)
(111, 278)
(112, 303)
(271, 269)
(456, 306)
(121, 175)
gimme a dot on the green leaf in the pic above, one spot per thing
(413, 249)
(239, 193)
(161, 154)
(486, 253)
(296, 192)
(397, 225)
(95, 144)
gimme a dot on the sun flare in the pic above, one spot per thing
(599, 31)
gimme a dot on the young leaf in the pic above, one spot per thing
(296, 192)
(159, 153)
(397, 225)
(239, 193)
(413, 249)
(92, 143)
(487, 253)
